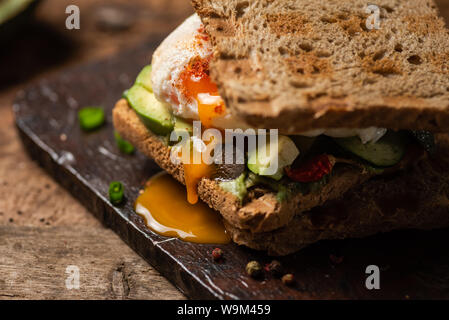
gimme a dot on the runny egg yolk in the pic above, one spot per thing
(193, 173)
(196, 84)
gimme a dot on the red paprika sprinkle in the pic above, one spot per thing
(312, 170)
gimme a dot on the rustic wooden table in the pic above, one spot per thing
(42, 228)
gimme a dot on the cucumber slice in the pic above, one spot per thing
(386, 152)
(261, 161)
(154, 115)
(144, 78)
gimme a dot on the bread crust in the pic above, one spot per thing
(282, 228)
(299, 65)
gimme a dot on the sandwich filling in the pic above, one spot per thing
(177, 90)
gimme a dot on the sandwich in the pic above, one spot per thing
(358, 98)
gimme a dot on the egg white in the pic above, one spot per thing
(171, 58)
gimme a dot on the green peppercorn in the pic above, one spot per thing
(116, 192)
(254, 269)
(288, 279)
(91, 118)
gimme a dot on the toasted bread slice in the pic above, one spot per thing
(302, 65)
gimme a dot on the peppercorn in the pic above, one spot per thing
(288, 279)
(217, 254)
(254, 269)
(275, 268)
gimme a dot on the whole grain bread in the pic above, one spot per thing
(418, 198)
(301, 65)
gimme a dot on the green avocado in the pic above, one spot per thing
(261, 161)
(386, 152)
(154, 115)
(183, 125)
(237, 186)
(11, 8)
(144, 78)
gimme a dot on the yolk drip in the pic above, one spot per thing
(193, 173)
(167, 213)
(195, 83)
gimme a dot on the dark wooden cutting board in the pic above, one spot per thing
(413, 264)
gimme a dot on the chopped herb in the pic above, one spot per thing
(283, 193)
(116, 192)
(91, 118)
(123, 145)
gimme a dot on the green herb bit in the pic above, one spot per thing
(123, 145)
(116, 192)
(91, 118)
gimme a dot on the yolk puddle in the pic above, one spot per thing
(163, 205)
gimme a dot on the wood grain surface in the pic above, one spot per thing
(34, 210)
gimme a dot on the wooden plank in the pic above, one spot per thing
(413, 264)
(34, 262)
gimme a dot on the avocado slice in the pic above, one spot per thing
(386, 152)
(180, 126)
(237, 186)
(183, 125)
(11, 8)
(154, 115)
(260, 162)
(144, 78)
